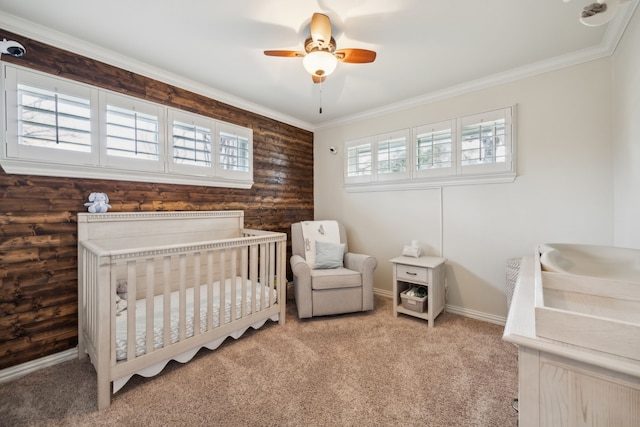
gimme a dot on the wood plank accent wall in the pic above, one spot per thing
(38, 253)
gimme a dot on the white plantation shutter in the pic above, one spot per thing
(486, 143)
(49, 120)
(435, 149)
(191, 143)
(392, 156)
(132, 133)
(359, 160)
(53, 120)
(235, 151)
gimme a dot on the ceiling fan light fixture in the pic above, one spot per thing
(320, 56)
(320, 63)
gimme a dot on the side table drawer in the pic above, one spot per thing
(409, 272)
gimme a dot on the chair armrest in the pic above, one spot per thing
(366, 265)
(302, 286)
(299, 266)
(360, 262)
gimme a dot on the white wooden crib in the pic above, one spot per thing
(193, 278)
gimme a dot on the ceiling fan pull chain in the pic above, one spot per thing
(320, 97)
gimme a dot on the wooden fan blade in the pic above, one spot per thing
(318, 79)
(356, 56)
(286, 53)
(320, 29)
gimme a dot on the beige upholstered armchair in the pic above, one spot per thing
(339, 282)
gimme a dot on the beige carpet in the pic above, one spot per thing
(365, 369)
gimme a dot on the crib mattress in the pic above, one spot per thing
(158, 315)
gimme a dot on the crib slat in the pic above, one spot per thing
(166, 300)
(262, 257)
(253, 275)
(244, 266)
(131, 310)
(150, 309)
(233, 273)
(210, 290)
(196, 293)
(222, 287)
(182, 297)
(263, 275)
(272, 274)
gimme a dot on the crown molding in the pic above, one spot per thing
(619, 24)
(60, 40)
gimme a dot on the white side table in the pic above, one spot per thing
(424, 271)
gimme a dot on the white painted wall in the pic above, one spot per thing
(626, 136)
(563, 192)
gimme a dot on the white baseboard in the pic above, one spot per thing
(478, 315)
(461, 311)
(23, 369)
(383, 292)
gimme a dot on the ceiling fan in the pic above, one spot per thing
(320, 57)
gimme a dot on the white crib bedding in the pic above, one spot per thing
(158, 308)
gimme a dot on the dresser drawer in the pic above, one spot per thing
(409, 272)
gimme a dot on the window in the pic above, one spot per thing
(486, 142)
(52, 123)
(468, 150)
(434, 148)
(191, 143)
(132, 133)
(51, 120)
(234, 151)
(359, 159)
(380, 158)
(392, 157)
(48, 120)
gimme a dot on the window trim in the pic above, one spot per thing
(98, 165)
(490, 173)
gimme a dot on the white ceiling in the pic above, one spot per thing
(426, 48)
